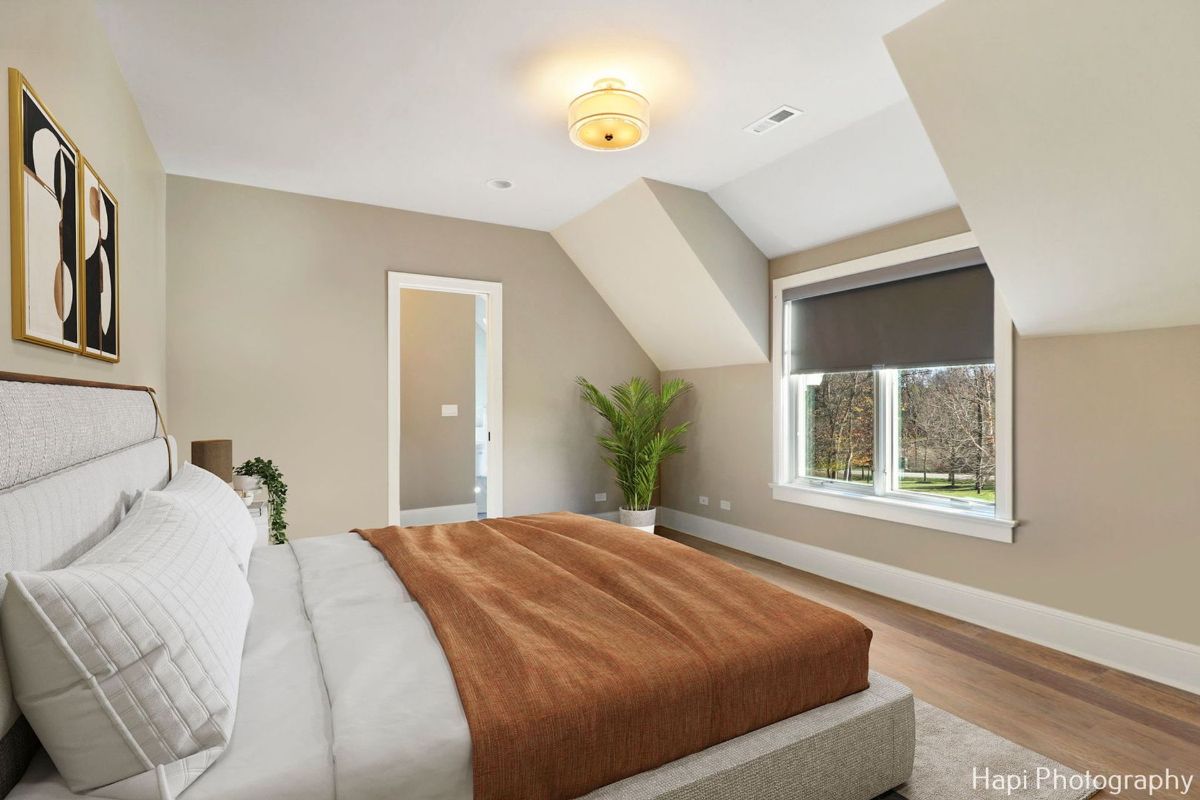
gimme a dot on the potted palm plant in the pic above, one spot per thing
(636, 440)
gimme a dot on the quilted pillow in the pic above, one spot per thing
(126, 663)
(215, 502)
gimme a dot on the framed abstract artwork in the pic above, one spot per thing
(44, 170)
(99, 300)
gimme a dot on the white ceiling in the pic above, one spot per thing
(416, 105)
(877, 171)
(1071, 131)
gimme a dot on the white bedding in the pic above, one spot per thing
(345, 691)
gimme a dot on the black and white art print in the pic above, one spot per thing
(100, 297)
(45, 230)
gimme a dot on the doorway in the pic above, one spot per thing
(445, 432)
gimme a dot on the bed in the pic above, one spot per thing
(345, 690)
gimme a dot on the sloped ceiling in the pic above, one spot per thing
(686, 282)
(875, 172)
(1070, 131)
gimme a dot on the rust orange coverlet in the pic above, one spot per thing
(585, 652)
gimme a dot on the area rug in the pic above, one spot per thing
(960, 761)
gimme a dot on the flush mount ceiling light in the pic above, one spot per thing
(499, 183)
(610, 117)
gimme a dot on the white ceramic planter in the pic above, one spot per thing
(245, 483)
(642, 520)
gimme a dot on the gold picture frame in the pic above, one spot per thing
(100, 285)
(44, 211)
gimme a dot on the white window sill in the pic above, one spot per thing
(965, 522)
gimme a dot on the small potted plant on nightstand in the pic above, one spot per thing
(272, 479)
(637, 441)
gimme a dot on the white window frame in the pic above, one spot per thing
(879, 501)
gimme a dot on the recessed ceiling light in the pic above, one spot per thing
(499, 183)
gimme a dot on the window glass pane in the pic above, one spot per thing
(947, 431)
(839, 426)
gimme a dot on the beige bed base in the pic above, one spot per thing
(856, 748)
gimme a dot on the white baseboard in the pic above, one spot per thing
(611, 516)
(1155, 657)
(437, 515)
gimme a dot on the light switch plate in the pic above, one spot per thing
(725, 505)
(601, 497)
(449, 410)
(703, 500)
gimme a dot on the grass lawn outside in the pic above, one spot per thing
(939, 485)
(965, 490)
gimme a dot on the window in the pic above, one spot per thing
(946, 433)
(838, 415)
(894, 397)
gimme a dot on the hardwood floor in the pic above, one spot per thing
(1082, 714)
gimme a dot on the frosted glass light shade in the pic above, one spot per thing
(609, 118)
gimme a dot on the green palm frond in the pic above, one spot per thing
(636, 440)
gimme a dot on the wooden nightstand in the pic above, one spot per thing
(260, 512)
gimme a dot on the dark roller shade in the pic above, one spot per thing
(939, 319)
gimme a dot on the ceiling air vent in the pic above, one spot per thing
(772, 120)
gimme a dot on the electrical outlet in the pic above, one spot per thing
(449, 410)
(601, 497)
(726, 505)
(703, 500)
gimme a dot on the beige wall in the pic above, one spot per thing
(1106, 429)
(733, 262)
(920, 229)
(437, 367)
(277, 339)
(656, 280)
(1088, 215)
(63, 51)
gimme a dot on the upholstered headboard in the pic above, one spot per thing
(73, 456)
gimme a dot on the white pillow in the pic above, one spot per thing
(218, 505)
(127, 662)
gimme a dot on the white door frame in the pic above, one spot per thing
(493, 296)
